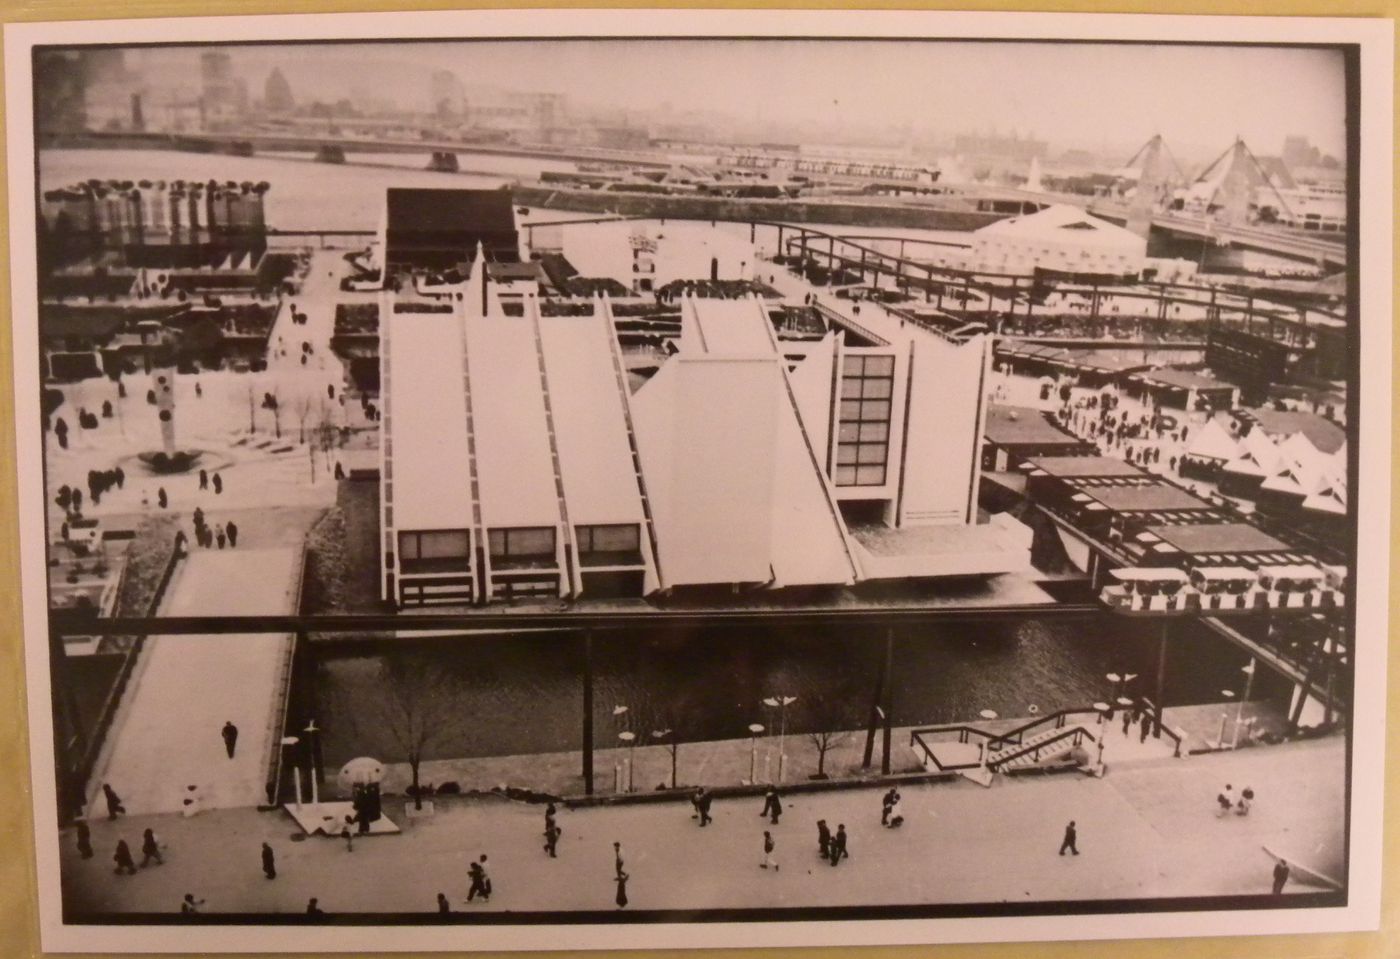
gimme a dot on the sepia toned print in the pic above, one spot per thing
(612, 483)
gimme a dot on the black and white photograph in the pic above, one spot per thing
(616, 479)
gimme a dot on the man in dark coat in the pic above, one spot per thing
(312, 909)
(218, 484)
(887, 802)
(772, 805)
(84, 839)
(114, 802)
(551, 840)
(150, 849)
(269, 862)
(232, 530)
(443, 906)
(479, 887)
(838, 845)
(621, 881)
(702, 805)
(230, 734)
(1068, 842)
(122, 857)
(823, 839)
(1280, 876)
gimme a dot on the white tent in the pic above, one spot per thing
(1214, 442)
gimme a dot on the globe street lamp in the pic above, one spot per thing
(629, 739)
(659, 735)
(1239, 707)
(781, 703)
(1102, 709)
(1224, 717)
(989, 715)
(755, 730)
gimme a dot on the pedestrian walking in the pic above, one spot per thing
(1281, 872)
(886, 803)
(702, 806)
(230, 734)
(1224, 801)
(823, 839)
(150, 849)
(219, 535)
(481, 885)
(122, 857)
(444, 907)
(621, 881)
(84, 839)
(269, 862)
(198, 390)
(218, 482)
(617, 857)
(838, 845)
(896, 817)
(1246, 800)
(768, 846)
(161, 499)
(191, 906)
(1071, 834)
(203, 479)
(312, 907)
(232, 530)
(114, 802)
(772, 805)
(551, 842)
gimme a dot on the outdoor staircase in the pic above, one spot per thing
(1023, 754)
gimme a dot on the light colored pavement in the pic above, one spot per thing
(1145, 830)
(167, 732)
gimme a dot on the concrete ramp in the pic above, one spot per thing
(166, 736)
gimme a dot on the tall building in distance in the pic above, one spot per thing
(277, 93)
(223, 96)
(446, 98)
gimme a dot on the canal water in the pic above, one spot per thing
(524, 694)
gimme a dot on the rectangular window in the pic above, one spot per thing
(522, 546)
(434, 550)
(863, 430)
(616, 544)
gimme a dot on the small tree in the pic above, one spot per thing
(665, 721)
(830, 718)
(419, 705)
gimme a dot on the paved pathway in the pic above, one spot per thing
(1145, 830)
(166, 734)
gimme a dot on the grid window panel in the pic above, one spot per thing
(527, 542)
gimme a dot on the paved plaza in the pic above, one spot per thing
(1145, 830)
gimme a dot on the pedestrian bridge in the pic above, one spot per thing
(166, 733)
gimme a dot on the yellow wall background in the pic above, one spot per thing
(18, 902)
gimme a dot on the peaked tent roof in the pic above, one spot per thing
(1064, 222)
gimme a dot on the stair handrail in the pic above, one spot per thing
(964, 731)
(1076, 731)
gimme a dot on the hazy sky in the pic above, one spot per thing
(1081, 94)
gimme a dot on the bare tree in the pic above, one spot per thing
(830, 718)
(302, 407)
(665, 721)
(419, 705)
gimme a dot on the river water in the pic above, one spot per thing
(523, 694)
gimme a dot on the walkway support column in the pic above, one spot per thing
(1161, 677)
(886, 706)
(588, 712)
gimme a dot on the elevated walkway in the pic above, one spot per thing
(166, 736)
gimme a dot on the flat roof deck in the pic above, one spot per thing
(739, 327)
(1151, 498)
(1081, 467)
(1021, 425)
(1202, 538)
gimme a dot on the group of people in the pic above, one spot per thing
(1225, 801)
(220, 533)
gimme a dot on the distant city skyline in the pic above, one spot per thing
(1103, 97)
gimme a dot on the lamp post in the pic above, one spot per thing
(987, 714)
(660, 735)
(1239, 708)
(629, 739)
(620, 720)
(781, 703)
(296, 770)
(755, 730)
(313, 759)
(1102, 709)
(1224, 718)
